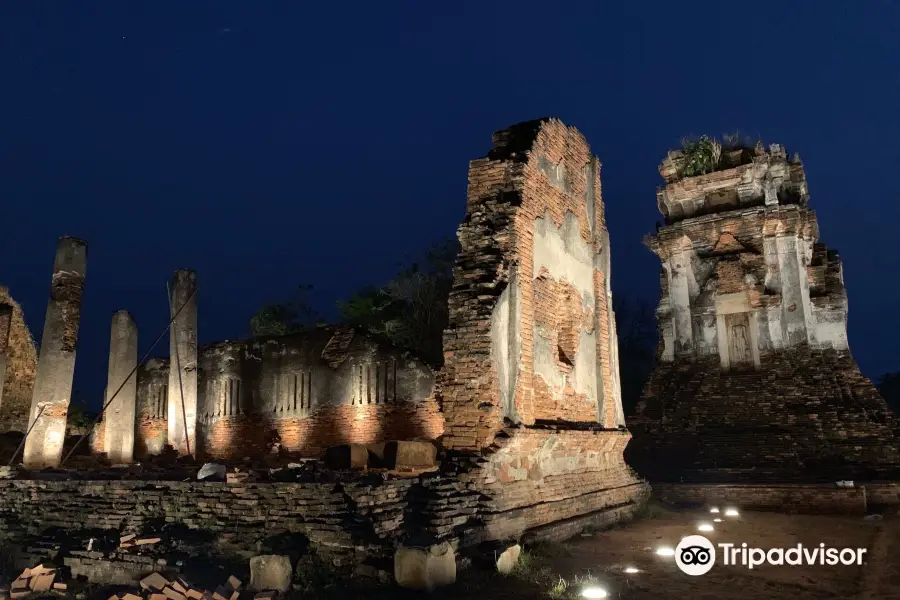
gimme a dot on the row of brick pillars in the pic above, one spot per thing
(56, 366)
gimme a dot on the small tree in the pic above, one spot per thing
(411, 309)
(283, 318)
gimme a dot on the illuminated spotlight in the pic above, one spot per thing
(704, 527)
(717, 520)
(632, 570)
(665, 551)
(714, 510)
(594, 592)
(731, 512)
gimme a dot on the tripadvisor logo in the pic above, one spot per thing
(696, 555)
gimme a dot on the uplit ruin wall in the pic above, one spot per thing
(18, 352)
(305, 392)
(754, 379)
(526, 410)
(530, 387)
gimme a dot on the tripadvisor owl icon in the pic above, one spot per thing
(695, 555)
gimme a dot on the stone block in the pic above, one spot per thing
(376, 455)
(212, 472)
(155, 582)
(508, 559)
(270, 572)
(42, 583)
(172, 594)
(414, 455)
(425, 568)
(347, 456)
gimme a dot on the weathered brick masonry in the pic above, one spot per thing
(530, 384)
(528, 401)
(754, 379)
(353, 519)
(21, 368)
(304, 392)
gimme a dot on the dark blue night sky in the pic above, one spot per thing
(271, 144)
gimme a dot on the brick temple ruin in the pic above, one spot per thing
(754, 380)
(526, 413)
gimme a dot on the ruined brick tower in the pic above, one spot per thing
(530, 381)
(754, 381)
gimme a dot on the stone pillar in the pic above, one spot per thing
(56, 362)
(182, 413)
(119, 416)
(681, 277)
(794, 286)
(6, 313)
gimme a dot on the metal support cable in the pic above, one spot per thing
(187, 438)
(130, 375)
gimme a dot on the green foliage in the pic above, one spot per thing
(410, 310)
(78, 417)
(701, 156)
(288, 317)
(705, 154)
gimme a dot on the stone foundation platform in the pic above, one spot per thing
(787, 497)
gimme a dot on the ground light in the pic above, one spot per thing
(704, 527)
(632, 570)
(714, 510)
(717, 520)
(731, 512)
(665, 551)
(594, 592)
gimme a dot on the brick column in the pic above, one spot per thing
(6, 312)
(182, 410)
(56, 363)
(119, 417)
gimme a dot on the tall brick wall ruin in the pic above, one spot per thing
(754, 380)
(21, 368)
(302, 393)
(530, 382)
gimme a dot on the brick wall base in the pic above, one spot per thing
(806, 416)
(233, 438)
(790, 498)
(529, 478)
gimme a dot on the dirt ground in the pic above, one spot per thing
(562, 570)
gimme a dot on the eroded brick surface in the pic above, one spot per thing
(21, 367)
(530, 383)
(303, 392)
(755, 380)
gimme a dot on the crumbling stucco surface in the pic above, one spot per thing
(56, 364)
(305, 392)
(182, 392)
(119, 416)
(21, 367)
(530, 381)
(755, 379)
